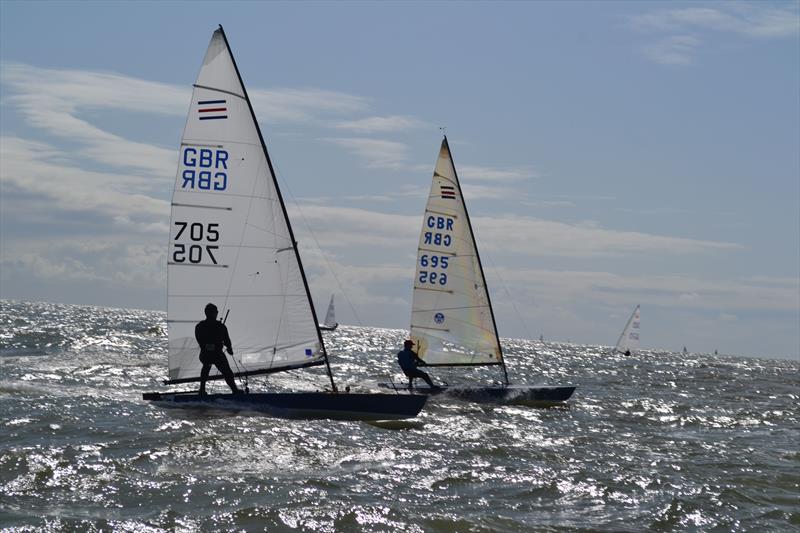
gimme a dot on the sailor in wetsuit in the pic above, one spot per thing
(212, 335)
(408, 361)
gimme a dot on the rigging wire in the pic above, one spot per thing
(288, 188)
(508, 295)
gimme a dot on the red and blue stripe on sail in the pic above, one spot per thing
(212, 109)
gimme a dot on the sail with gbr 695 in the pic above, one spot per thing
(451, 316)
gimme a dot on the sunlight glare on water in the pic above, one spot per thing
(658, 441)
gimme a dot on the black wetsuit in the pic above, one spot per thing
(212, 336)
(408, 361)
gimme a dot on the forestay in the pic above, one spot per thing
(629, 340)
(451, 317)
(230, 242)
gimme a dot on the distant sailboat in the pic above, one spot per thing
(452, 321)
(629, 338)
(231, 243)
(330, 323)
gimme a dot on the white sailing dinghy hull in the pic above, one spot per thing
(231, 244)
(301, 405)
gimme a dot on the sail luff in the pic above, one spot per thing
(283, 208)
(477, 254)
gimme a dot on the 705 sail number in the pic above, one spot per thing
(196, 232)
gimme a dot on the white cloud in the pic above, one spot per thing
(740, 19)
(381, 124)
(501, 233)
(46, 172)
(302, 105)
(611, 290)
(54, 101)
(675, 50)
(117, 262)
(477, 173)
(752, 20)
(374, 153)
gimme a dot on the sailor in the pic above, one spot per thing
(628, 352)
(212, 335)
(408, 361)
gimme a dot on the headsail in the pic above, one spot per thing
(230, 239)
(452, 322)
(330, 316)
(629, 339)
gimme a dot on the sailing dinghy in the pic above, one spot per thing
(629, 338)
(330, 323)
(231, 243)
(452, 321)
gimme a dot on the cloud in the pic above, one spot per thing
(302, 105)
(675, 50)
(739, 19)
(47, 174)
(55, 100)
(750, 20)
(381, 124)
(374, 153)
(501, 233)
(611, 290)
(476, 173)
(127, 264)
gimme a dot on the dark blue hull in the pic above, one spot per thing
(305, 405)
(538, 395)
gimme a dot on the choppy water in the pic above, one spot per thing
(659, 442)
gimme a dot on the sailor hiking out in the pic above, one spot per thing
(408, 361)
(212, 336)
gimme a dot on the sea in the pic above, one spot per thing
(658, 441)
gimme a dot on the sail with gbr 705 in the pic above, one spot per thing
(231, 244)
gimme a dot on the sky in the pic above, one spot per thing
(611, 154)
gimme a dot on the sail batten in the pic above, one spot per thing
(228, 215)
(452, 323)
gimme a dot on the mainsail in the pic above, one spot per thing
(452, 322)
(629, 339)
(330, 316)
(231, 243)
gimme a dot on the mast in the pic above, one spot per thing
(283, 208)
(478, 257)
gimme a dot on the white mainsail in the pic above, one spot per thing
(451, 316)
(230, 240)
(629, 339)
(330, 316)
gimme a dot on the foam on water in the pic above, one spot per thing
(658, 441)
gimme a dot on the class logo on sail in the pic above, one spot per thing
(212, 109)
(448, 192)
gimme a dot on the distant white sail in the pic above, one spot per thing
(330, 317)
(451, 317)
(629, 339)
(230, 242)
